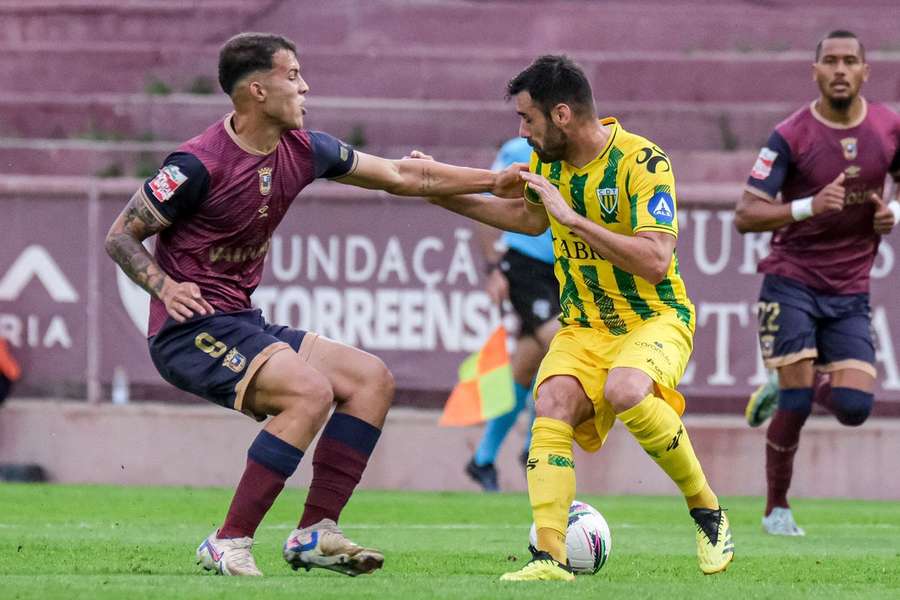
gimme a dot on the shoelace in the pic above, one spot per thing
(240, 553)
(709, 527)
(242, 558)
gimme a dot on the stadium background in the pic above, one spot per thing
(97, 92)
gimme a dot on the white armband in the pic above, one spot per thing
(895, 208)
(802, 208)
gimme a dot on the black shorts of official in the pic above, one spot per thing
(533, 290)
(798, 323)
(216, 356)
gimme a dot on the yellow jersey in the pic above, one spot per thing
(629, 187)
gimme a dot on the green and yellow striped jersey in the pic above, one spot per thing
(628, 188)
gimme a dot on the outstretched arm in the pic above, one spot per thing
(124, 245)
(510, 214)
(417, 177)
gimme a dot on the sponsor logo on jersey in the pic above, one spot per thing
(763, 166)
(662, 208)
(165, 183)
(265, 181)
(850, 147)
(235, 361)
(263, 211)
(852, 171)
(609, 204)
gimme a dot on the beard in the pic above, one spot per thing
(840, 104)
(554, 147)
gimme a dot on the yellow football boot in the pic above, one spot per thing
(541, 567)
(715, 549)
(763, 401)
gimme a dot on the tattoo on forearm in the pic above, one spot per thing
(128, 251)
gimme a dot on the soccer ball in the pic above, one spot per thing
(588, 542)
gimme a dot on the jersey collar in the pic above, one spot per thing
(229, 129)
(614, 127)
(818, 117)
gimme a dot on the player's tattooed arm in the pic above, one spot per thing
(124, 245)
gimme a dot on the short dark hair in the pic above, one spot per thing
(553, 79)
(840, 33)
(246, 53)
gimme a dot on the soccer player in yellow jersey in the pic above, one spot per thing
(609, 197)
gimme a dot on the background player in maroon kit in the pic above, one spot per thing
(214, 205)
(829, 160)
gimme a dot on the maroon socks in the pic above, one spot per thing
(338, 463)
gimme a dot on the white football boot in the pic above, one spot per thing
(781, 522)
(227, 556)
(325, 546)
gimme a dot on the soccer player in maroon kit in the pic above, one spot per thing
(214, 204)
(829, 160)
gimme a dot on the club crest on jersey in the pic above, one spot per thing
(609, 204)
(265, 181)
(763, 165)
(165, 183)
(850, 147)
(662, 208)
(234, 360)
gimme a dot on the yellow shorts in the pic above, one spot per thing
(660, 347)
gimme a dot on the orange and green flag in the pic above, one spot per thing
(485, 388)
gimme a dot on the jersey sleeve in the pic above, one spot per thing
(650, 187)
(331, 157)
(178, 188)
(770, 168)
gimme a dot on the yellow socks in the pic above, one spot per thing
(659, 430)
(551, 483)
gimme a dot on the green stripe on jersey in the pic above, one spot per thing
(666, 294)
(568, 295)
(576, 189)
(628, 288)
(604, 303)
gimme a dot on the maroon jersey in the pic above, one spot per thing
(831, 252)
(222, 200)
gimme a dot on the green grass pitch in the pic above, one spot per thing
(138, 542)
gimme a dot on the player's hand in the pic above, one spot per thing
(551, 198)
(419, 154)
(183, 300)
(883, 220)
(508, 183)
(497, 286)
(831, 197)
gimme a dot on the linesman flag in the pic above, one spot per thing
(485, 388)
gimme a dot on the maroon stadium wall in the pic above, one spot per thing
(397, 277)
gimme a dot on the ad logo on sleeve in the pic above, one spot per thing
(662, 208)
(166, 182)
(763, 166)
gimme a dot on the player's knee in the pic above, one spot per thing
(621, 395)
(851, 406)
(310, 399)
(552, 406)
(377, 379)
